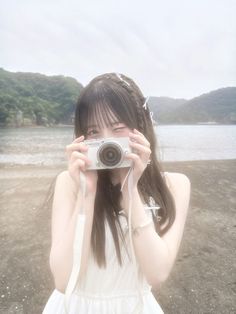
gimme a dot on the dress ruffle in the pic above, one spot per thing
(81, 303)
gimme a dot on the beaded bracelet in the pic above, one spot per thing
(135, 230)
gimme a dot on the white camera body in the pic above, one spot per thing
(108, 153)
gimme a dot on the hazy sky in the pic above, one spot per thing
(173, 48)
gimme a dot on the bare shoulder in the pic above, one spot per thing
(65, 178)
(64, 175)
(180, 186)
(176, 180)
(65, 185)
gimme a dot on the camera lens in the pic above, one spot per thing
(110, 154)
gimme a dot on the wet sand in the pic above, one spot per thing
(203, 279)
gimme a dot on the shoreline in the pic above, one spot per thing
(7, 170)
(18, 166)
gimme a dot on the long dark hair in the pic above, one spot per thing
(111, 95)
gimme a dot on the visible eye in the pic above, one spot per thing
(120, 128)
(91, 132)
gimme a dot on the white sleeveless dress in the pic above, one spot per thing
(110, 290)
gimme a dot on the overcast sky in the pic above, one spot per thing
(173, 48)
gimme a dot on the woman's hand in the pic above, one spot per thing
(140, 159)
(78, 161)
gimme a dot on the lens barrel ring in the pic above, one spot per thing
(110, 154)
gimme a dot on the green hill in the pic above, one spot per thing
(163, 107)
(36, 99)
(218, 106)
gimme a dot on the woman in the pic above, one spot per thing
(103, 258)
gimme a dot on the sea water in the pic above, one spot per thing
(46, 146)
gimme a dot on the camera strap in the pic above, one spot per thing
(77, 247)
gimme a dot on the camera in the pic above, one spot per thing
(108, 153)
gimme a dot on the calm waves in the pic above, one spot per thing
(46, 146)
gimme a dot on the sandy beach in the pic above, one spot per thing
(203, 279)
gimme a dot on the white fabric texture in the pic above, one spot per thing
(110, 290)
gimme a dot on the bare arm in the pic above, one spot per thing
(66, 206)
(155, 254)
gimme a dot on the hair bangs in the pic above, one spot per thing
(98, 115)
(102, 116)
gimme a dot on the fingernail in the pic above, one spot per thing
(79, 138)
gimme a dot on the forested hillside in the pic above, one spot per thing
(36, 99)
(218, 106)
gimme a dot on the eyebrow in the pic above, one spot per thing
(95, 126)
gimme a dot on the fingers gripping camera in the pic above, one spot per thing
(108, 153)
